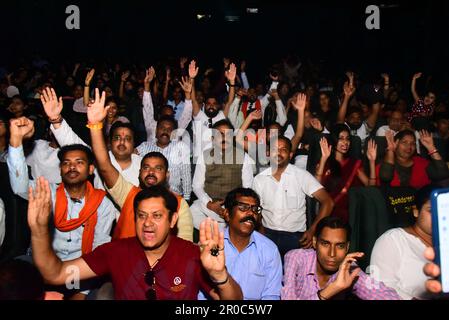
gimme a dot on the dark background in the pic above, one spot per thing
(413, 36)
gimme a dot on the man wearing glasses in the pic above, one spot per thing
(252, 259)
(153, 265)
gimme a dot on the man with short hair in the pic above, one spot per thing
(252, 259)
(327, 271)
(283, 189)
(153, 171)
(152, 265)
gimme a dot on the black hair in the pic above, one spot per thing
(287, 141)
(76, 147)
(120, 124)
(423, 195)
(112, 99)
(224, 122)
(231, 197)
(155, 154)
(334, 136)
(404, 133)
(20, 280)
(352, 110)
(170, 119)
(333, 223)
(158, 191)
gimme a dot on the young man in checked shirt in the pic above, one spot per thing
(328, 271)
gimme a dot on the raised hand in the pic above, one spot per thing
(52, 106)
(299, 103)
(345, 278)
(231, 73)
(125, 75)
(391, 144)
(427, 140)
(39, 206)
(326, 149)
(193, 69)
(89, 77)
(386, 77)
(226, 62)
(348, 89)
(20, 128)
(273, 77)
(186, 84)
(255, 115)
(274, 93)
(167, 74)
(350, 76)
(212, 250)
(371, 152)
(182, 62)
(149, 76)
(316, 124)
(417, 75)
(242, 92)
(96, 111)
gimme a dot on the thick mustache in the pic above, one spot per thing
(249, 218)
(150, 176)
(73, 171)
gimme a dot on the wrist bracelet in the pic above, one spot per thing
(320, 296)
(96, 126)
(433, 152)
(57, 120)
(219, 283)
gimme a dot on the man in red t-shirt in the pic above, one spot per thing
(153, 265)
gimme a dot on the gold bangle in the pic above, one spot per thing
(95, 126)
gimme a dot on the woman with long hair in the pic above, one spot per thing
(337, 171)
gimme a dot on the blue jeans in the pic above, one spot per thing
(284, 240)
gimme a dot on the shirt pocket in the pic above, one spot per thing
(255, 285)
(292, 201)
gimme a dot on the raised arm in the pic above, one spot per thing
(240, 138)
(386, 78)
(148, 109)
(53, 270)
(326, 150)
(371, 154)
(386, 170)
(243, 75)
(193, 72)
(372, 118)
(230, 75)
(416, 76)
(265, 100)
(186, 84)
(87, 82)
(167, 83)
(348, 91)
(299, 103)
(96, 113)
(123, 78)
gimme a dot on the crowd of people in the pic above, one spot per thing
(181, 181)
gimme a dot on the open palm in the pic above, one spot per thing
(52, 105)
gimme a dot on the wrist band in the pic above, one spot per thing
(57, 120)
(433, 152)
(320, 296)
(219, 283)
(96, 126)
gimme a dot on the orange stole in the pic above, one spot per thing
(88, 215)
(126, 225)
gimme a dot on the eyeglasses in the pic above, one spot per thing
(244, 207)
(151, 281)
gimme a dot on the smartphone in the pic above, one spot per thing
(440, 233)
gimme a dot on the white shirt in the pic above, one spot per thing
(202, 134)
(2, 222)
(200, 177)
(284, 201)
(65, 136)
(362, 132)
(44, 162)
(397, 260)
(78, 106)
(382, 130)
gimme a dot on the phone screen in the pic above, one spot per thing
(441, 239)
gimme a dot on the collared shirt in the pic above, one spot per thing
(202, 133)
(284, 201)
(44, 162)
(257, 269)
(66, 136)
(67, 245)
(301, 281)
(178, 156)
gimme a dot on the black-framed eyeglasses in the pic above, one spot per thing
(150, 280)
(245, 207)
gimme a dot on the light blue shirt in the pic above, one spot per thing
(67, 245)
(257, 269)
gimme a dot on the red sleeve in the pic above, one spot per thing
(98, 260)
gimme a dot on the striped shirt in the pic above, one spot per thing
(301, 281)
(178, 156)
